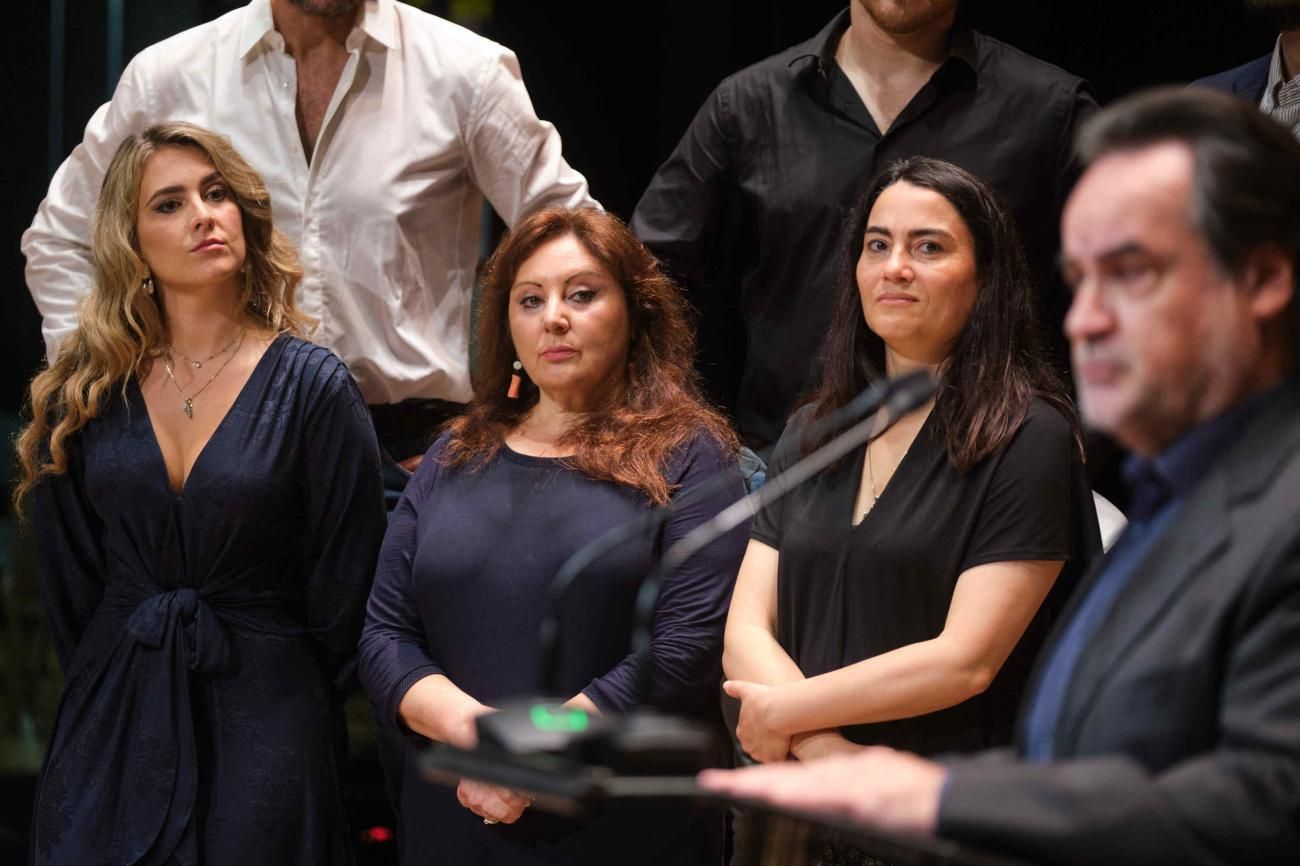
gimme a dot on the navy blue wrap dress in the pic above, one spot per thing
(204, 636)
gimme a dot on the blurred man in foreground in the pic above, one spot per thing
(1164, 722)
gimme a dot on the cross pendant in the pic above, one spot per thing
(188, 408)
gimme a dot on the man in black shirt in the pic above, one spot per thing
(748, 209)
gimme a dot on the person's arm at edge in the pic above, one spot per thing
(343, 494)
(686, 637)
(751, 651)
(59, 271)
(70, 555)
(991, 607)
(516, 158)
(407, 685)
(1236, 802)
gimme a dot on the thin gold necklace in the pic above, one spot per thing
(188, 406)
(197, 364)
(871, 480)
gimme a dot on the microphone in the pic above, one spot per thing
(901, 396)
(865, 403)
(568, 759)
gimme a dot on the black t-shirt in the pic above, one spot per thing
(847, 593)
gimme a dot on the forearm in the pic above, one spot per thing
(581, 702)
(751, 653)
(910, 681)
(1110, 809)
(436, 708)
(811, 745)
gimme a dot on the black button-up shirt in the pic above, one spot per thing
(749, 208)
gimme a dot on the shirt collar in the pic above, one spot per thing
(257, 24)
(1183, 464)
(821, 48)
(1275, 77)
(378, 20)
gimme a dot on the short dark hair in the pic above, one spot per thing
(999, 360)
(1245, 175)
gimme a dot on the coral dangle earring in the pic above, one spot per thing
(515, 381)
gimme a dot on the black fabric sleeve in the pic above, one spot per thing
(789, 450)
(344, 495)
(687, 218)
(691, 610)
(394, 652)
(1025, 514)
(69, 554)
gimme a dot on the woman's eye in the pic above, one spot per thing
(582, 296)
(217, 193)
(529, 302)
(167, 206)
(929, 247)
(876, 245)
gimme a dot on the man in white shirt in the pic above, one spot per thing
(379, 130)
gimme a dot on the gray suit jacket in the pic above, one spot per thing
(1179, 738)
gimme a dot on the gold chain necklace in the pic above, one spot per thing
(871, 480)
(188, 406)
(197, 364)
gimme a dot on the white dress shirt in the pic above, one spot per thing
(1281, 99)
(427, 118)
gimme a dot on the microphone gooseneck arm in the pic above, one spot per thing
(904, 395)
(868, 402)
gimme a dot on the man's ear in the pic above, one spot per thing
(1269, 275)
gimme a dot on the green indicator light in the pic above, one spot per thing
(546, 718)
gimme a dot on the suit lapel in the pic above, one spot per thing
(1191, 541)
(1194, 538)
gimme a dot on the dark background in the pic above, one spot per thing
(620, 81)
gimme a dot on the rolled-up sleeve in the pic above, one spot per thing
(515, 157)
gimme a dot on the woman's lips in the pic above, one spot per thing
(209, 245)
(559, 353)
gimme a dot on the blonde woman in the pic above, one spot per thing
(206, 494)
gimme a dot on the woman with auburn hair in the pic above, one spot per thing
(585, 415)
(207, 502)
(899, 597)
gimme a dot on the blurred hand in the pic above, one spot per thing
(491, 801)
(879, 786)
(754, 728)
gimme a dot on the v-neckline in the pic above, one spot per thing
(198, 458)
(884, 491)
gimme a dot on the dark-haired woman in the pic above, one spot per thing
(899, 597)
(601, 421)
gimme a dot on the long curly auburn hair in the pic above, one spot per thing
(659, 409)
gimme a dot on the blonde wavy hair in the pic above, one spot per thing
(122, 326)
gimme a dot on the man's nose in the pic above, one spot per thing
(1089, 315)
